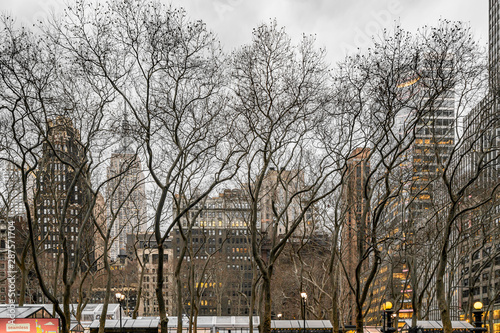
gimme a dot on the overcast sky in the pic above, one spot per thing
(340, 26)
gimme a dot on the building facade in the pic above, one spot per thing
(412, 217)
(126, 194)
(480, 231)
(11, 203)
(217, 269)
(147, 263)
(494, 44)
(280, 205)
(353, 245)
(61, 202)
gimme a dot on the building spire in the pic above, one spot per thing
(125, 132)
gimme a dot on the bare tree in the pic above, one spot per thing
(450, 67)
(280, 93)
(56, 118)
(402, 95)
(170, 72)
(378, 91)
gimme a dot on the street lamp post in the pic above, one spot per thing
(388, 315)
(303, 295)
(478, 317)
(120, 297)
(383, 321)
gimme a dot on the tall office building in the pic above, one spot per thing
(219, 248)
(480, 245)
(61, 179)
(126, 193)
(279, 194)
(494, 44)
(419, 201)
(147, 263)
(354, 231)
(423, 198)
(11, 191)
(481, 126)
(491, 105)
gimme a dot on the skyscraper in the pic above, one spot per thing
(11, 201)
(61, 201)
(421, 201)
(126, 193)
(479, 246)
(425, 126)
(494, 44)
(354, 229)
(481, 126)
(279, 194)
(218, 254)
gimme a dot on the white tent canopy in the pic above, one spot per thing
(437, 325)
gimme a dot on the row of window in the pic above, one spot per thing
(485, 276)
(154, 258)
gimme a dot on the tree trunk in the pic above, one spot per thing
(335, 296)
(179, 301)
(414, 295)
(441, 270)
(67, 312)
(159, 291)
(194, 319)
(193, 293)
(441, 297)
(139, 293)
(252, 299)
(265, 325)
(359, 320)
(102, 319)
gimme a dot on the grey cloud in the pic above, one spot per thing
(340, 25)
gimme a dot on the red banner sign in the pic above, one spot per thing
(29, 325)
